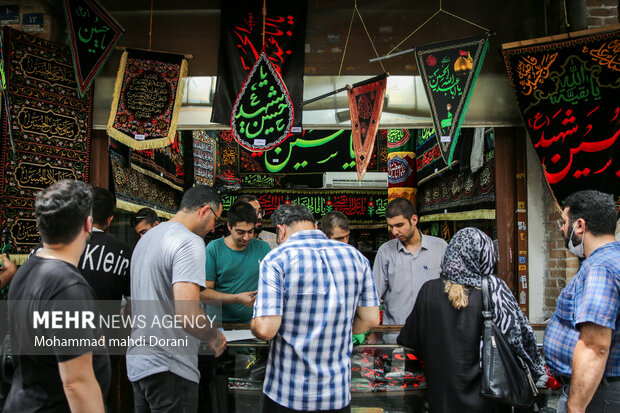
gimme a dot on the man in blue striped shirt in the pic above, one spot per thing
(582, 340)
(313, 294)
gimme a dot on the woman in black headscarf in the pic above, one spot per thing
(445, 327)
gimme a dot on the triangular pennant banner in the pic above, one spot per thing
(93, 33)
(263, 113)
(147, 99)
(449, 71)
(567, 92)
(366, 106)
(242, 40)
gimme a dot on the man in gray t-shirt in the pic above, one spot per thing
(168, 273)
(404, 264)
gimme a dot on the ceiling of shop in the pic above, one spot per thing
(192, 27)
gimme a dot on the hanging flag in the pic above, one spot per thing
(241, 43)
(449, 71)
(567, 92)
(366, 106)
(263, 114)
(147, 99)
(93, 34)
(402, 178)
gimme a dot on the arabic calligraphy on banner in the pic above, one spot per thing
(456, 190)
(429, 161)
(449, 72)
(241, 45)
(361, 207)
(402, 178)
(93, 34)
(313, 151)
(366, 107)
(567, 92)
(263, 114)
(135, 190)
(51, 130)
(205, 149)
(147, 99)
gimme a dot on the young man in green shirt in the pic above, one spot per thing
(233, 263)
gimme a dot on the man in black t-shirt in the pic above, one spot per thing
(106, 260)
(75, 380)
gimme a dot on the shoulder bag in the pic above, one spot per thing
(505, 377)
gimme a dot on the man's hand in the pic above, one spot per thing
(247, 298)
(7, 271)
(218, 344)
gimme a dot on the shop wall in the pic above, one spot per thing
(536, 238)
(602, 12)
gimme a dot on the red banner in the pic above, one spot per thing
(366, 106)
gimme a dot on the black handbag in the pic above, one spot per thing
(505, 376)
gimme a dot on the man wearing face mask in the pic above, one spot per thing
(582, 340)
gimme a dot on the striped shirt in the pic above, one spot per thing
(593, 295)
(315, 284)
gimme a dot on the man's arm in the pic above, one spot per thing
(365, 319)
(589, 360)
(80, 385)
(246, 298)
(266, 327)
(379, 271)
(7, 272)
(187, 305)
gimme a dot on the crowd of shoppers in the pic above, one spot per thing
(307, 294)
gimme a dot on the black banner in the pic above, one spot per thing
(263, 115)
(360, 206)
(240, 47)
(93, 34)
(51, 129)
(449, 71)
(567, 92)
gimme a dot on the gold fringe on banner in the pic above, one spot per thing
(152, 143)
(19, 259)
(156, 176)
(130, 207)
(460, 216)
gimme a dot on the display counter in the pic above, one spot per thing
(384, 377)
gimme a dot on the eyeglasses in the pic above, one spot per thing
(217, 217)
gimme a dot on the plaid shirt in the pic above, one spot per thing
(593, 295)
(315, 284)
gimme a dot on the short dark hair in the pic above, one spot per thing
(597, 208)
(199, 196)
(400, 206)
(61, 210)
(247, 198)
(145, 214)
(287, 214)
(241, 211)
(104, 202)
(334, 219)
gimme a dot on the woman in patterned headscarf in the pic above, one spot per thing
(445, 326)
